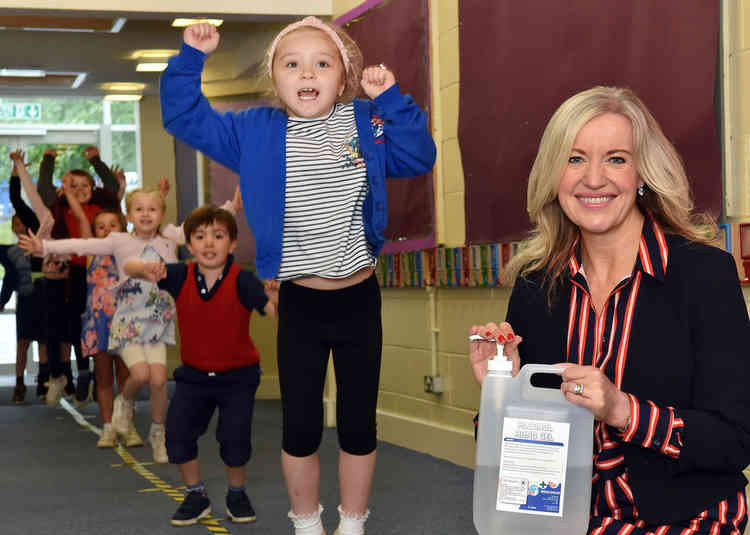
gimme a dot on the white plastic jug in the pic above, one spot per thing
(534, 454)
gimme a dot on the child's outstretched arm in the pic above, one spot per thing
(410, 149)
(150, 271)
(186, 113)
(46, 219)
(79, 246)
(23, 210)
(109, 180)
(44, 185)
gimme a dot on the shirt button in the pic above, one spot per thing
(203, 290)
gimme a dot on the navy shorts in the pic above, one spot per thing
(26, 323)
(197, 394)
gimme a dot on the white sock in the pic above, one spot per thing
(156, 427)
(352, 523)
(309, 524)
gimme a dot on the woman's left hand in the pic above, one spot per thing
(588, 387)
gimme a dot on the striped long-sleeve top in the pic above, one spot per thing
(648, 340)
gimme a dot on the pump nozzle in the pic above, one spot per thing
(499, 363)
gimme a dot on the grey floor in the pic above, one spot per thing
(55, 481)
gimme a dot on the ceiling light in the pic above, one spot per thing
(79, 80)
(122, 86)
(181, 23)
(23, 73)
(154, 53)
(117, 25)
(150, 67)
(122, 97)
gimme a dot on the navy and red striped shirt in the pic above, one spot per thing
(602, 340)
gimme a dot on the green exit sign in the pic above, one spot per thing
(20, 110)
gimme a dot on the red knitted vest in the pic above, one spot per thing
(214, 334)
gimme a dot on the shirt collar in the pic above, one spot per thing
(200, 280)
(653, 252)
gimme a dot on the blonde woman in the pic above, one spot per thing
(619, 283)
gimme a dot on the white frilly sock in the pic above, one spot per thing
(309, 524)
(351, 523)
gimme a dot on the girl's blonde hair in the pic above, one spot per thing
(352, 75)
(667, 197)
(145, 191)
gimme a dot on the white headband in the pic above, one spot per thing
(312, 22)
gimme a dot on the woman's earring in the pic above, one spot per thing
(641, 191)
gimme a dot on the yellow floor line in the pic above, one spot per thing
(213, 525)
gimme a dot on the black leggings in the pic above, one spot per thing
(312, 324)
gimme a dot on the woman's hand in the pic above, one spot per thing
(31, 244)
(588, 387)
(203, 36)
(481, 351)
(377, 79)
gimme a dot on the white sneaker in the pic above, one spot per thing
(156, 439)
(56, 388)
(108, 438)
(132, 438)
(122, 415)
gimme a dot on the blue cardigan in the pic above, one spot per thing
(392, 130)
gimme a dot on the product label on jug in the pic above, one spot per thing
(533, 458)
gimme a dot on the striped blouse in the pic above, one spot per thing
(603, 341)
(326, 185)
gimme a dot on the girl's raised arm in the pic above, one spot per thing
(84, 225)
(186, 113)
(46, 220)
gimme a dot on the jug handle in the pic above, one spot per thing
(531, 392)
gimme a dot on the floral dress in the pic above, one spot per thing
(100, 304)
(145, 314)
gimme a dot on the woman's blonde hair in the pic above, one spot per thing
(352, 75)
(667, 196)
(145, 191)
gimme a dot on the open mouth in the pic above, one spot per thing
(307, 93)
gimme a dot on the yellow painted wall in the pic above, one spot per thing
(339, 7)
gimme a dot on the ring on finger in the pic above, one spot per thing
(578, 389)
(382, 66)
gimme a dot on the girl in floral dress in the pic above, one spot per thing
(96, 321)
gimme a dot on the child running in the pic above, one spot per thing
(312, 173)
(143, 322)
(220, 368)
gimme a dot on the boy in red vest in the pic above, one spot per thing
(214, 299)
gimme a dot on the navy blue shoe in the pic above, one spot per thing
(195, 506)
(239, 507)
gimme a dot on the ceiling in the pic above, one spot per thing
(105, 56)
